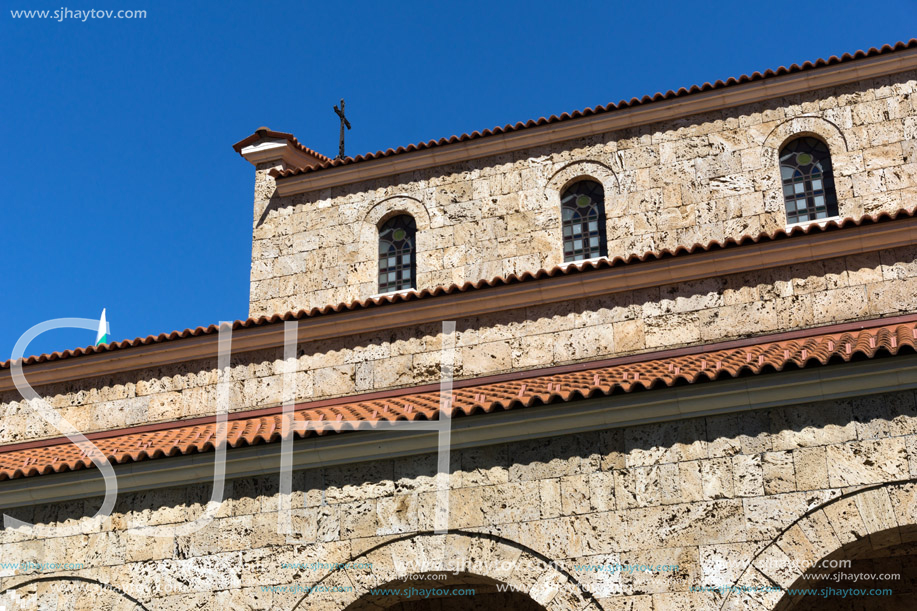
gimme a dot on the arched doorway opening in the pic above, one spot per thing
(445, 592)
(861, 578)
(70, 592)
(446, 572)
(857, 551)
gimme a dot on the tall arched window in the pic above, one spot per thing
(397, 264)
(582, 208)
(808, 182)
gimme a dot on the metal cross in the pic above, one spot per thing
(344, 123)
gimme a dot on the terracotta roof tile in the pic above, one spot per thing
(745, 78)
(519, 391)
(269, 133)
(560, 270)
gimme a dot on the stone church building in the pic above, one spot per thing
(657, 355)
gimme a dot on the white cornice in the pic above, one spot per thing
(736, 95)
(475, 302)
(278, 150)
(833, 382)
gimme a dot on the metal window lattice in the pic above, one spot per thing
(808, 182)
(397, 263)
(582, 207)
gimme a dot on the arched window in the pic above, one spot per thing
(808, 182)
(397, 263)
(582, 208)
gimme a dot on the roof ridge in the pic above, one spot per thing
(600, 109)
(437, 291)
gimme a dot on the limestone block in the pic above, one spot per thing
(892, 297)
(767, 516)
(779, 472)
(672, 330)
(597, 533)
(804, 426)
(360, 519)
(717, 478)
(746, 433)
(636, 602)
(486, 358)
(748, 475)
(756, 595)
(911, 441)
(688, 573)
(358, 481)
(691, 481)
(583, 343)
(588, 572)
(484, 466)
(841, 304)
(722, 564)
(665, 442)
(602, 491)
(334, 381)
(511, 502)
(686, 601)
(811, 468)
(867, 462)
(393, 371)
(883, 156)
(550, 497)
(611, 447)
(897, 264)
(575, 494)
(551, 457)
(222, 535)
(778, 566)
(904, 503)
(878, 517)
(844, 517)
(685, 524)
(397, 514)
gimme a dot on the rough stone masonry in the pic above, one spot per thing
(738, 504)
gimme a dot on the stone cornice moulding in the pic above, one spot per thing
(475, 302)
(278, 150)
(832, 382)
(644, 114)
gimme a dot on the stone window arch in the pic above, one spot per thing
(397, 254)
(807, 180)
(582, 214)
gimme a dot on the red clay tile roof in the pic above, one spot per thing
(265, 132)
(745, 78)
(561, 270)
(470, 397)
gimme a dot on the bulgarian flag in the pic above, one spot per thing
(102, 334)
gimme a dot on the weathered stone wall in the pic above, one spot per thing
(686, 181)
(709, 494)
(859, 287)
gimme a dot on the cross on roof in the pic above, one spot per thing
(344, 123)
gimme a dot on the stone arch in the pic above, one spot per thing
(464, 555)
(392, 205)
(385, 209)
(583, 170)
(868, 519)
(576, 170)
(807, 125)
(843, 163)
(85, 594)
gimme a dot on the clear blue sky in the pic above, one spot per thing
(120, 188)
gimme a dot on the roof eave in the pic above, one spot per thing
(593, 121)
